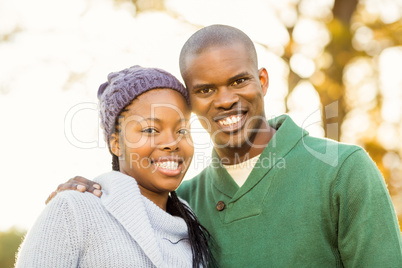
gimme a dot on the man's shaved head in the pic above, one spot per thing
(215, 36)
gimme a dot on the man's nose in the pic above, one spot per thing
(225, 99)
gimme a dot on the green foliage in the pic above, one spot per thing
(9, 243)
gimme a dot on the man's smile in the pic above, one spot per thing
(230, 122)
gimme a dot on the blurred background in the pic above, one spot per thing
(334, 65)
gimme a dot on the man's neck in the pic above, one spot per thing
(236, 155)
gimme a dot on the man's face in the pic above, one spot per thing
(227, 91)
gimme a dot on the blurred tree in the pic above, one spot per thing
(373, 34)
(147, 5)
(356, 36)
(340, 49)
(9, 243)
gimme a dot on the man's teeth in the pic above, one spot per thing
(172, 165)
(230, 120)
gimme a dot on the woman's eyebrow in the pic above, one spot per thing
(152, 119)
(159, 120)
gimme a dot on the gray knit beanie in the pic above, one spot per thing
(124, 86)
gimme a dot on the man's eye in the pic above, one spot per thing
(238, 81)
(184, 131)
(149, 130)
(205, 90)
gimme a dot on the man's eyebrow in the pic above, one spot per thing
(201, 86)
(238, 76)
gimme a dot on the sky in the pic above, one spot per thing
(61, 51)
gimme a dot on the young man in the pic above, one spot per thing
(273, 196)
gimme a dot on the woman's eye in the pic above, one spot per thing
(149, 130)
(184, 131)
(238, 81)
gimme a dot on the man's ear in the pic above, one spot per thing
(115, 145)
(264, 80)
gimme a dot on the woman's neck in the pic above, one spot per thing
(160, 199)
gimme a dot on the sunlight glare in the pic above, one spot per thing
(354, 125)
(390, 66)
(388, 11)
(318, 9)
(308, 31)
(388, 136)
(305, 108)
(302, 65)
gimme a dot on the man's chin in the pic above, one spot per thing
(235, 142)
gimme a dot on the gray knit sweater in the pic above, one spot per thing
(120, 229)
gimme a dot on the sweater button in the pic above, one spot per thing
(220, 206)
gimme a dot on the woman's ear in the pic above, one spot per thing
(115, 145)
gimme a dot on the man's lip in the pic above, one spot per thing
(235, 126)
(227, 114)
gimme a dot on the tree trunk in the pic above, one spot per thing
(332, 90)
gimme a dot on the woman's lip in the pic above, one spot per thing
(169, 172)
(163, 165)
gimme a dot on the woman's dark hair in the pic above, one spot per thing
(199, 236)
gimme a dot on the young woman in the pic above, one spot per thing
(139, 220)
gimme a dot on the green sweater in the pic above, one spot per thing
(308, 202)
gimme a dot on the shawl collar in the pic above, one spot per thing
(122, 198)
(287, 136)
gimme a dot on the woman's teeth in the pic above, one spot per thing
(230, 120)
(172, 165)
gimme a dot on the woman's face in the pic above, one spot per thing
(155, 145)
